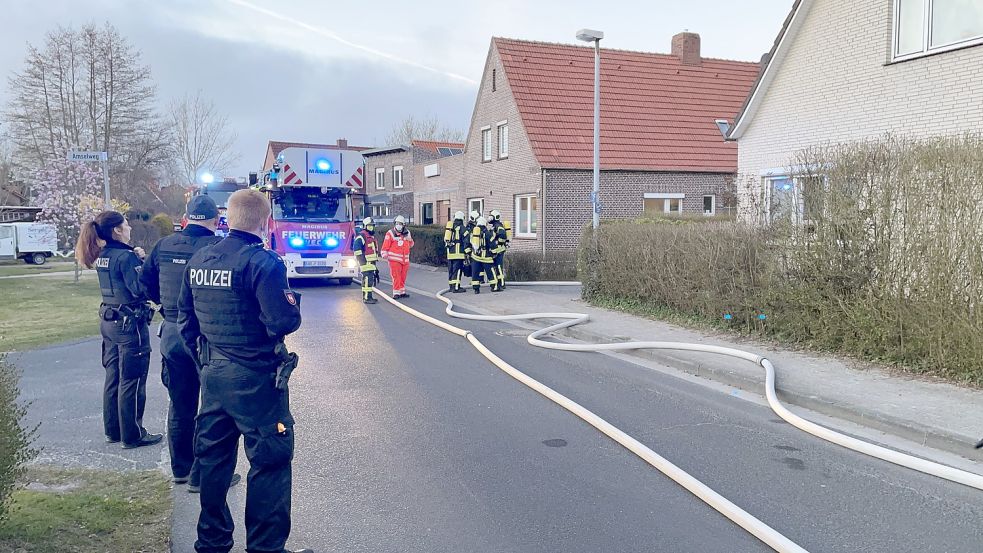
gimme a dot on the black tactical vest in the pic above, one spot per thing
(173, 255)
(109, 268)
(225, 304)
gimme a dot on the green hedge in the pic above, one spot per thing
(887, 264)
(15, 440)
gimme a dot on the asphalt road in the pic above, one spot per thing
(409, 441)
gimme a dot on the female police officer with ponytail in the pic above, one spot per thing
(124, 324)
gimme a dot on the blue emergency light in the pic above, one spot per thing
(297, 241)
(322, 165)
(331, 242)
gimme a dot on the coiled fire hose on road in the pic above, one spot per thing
(742, 518)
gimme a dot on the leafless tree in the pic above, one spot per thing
(412, 128)
(202, 138)
(86, 89)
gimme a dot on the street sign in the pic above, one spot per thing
(87, 156)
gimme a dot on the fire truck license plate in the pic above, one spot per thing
(315, 263)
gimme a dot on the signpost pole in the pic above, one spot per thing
(105, 181)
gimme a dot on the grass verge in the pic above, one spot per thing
(21, 268)
(41, 311)
(89, 511)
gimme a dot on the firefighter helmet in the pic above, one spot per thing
(474, 215)
(496, 214)
(459, 216)
(367, 221)
(400, 219)
(480, 221)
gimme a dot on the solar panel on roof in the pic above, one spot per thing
(444, 151)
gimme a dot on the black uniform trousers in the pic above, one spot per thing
(455, 272)
(179, 375)
(126, 358)
(498, 268)
(482, 272)
(235, 401)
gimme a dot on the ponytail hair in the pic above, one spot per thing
(94, 235)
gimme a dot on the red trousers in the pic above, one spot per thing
(398, 271)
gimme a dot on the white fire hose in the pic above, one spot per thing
(742, 518)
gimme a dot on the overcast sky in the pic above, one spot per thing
(317, 70)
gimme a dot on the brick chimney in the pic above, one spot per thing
(342, 143)
(686, 47)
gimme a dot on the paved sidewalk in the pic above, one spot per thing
(934, 414)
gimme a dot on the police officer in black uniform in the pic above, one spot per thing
(124, 324)
(234, 310)
(162, 275)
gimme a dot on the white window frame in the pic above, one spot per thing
(486, 143)
(713, 204)
(503, 139)
(481, 205)
(380, 178)
(423, 212)
(520, 232)
(666, 204)
(397, 176)
(927, 48)
(798, 195)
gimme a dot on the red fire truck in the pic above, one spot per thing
(313, 221)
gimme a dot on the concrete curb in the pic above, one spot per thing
(867, 416)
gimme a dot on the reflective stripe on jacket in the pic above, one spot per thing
(396, 247)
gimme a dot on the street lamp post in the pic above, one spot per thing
(588, 35)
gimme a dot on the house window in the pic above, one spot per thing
(503, 140)
(380, 178)
(494, 74)
(525, 214)
(398, 176)
(926, 26)
(381, 211)
(657, 204)
(426, 213)
(795, 199)
(476, 204)
(486, 144)
(709, 205)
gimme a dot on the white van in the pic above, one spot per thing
(32, 242)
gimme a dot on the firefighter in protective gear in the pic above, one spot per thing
(482, 243)
(457, 246)
(396, 249)
(365, 248)
(472, 222)
(503, 237)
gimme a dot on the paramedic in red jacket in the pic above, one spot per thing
(396, 249)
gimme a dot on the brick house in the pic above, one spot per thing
(845, 70)
(391, 181)
(529, 150)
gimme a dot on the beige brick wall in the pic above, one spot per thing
(387, 162)
(500, 180)
(446, 187)
(837, 85)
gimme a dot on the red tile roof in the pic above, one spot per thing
(657, 114)
(432, 145)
